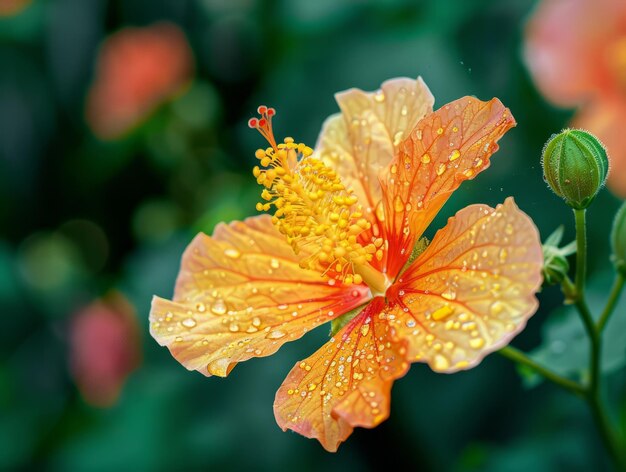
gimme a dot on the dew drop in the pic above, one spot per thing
(426, 158)
(398, 205)
(233, 327)
(477, 343)
(449, 295)
(232, 253)
(274, 264)
(496, 308)
(454, 155)
(219, 307)
(200, 307)
(188, 322)
(379, 96)
(256, 321)
(441, 169)
(440, 362)
(276, 334)
(442, 313)
(397, 138)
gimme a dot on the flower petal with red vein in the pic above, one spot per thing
(448, 146)
(472, 290)
(567, 44)
(241, 294)
(364, 138)
(346, 383)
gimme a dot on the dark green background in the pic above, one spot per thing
(79, 218)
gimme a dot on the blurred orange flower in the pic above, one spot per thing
(576, 52)
(344, 244)
(104, 349)
(12, 7)
(137, 70)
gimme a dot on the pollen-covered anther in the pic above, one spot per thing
(312, 207)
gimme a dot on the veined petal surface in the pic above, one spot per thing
(447, 147)
(346, 383)
(363, 139)
(472, 290)
(242, 294)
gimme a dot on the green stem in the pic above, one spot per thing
(592, 392)
(581, 250)
(581, 304)
(616, 291)
(518, 356)
(610, 438)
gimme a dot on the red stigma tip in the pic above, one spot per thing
(253, 122)
(271, 112)
(262, 109)
(262, 122)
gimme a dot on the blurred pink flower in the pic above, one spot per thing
(104, 349)
(576, 52)
(137, 70)
(12, 7)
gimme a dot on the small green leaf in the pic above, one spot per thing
(555, 238)
(341, 321)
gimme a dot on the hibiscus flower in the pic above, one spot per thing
(344, 244)
(576, 53)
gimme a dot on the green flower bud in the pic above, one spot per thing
(555, 264)
(575, 166)
(618, 239)
(555, 267)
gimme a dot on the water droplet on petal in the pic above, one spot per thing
(232, 253)
(276, 334)
(449, 295)
(219, 307)
(398, 204)
(440, 362)
(442, 313)
(274, 264)
(188, 322)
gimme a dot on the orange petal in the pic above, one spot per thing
(242, 294)
(605, 119)
(446, 147)
(567, 48)
(472, 290)
(346, 383)
(364, 138)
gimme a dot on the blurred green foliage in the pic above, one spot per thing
(80, 217)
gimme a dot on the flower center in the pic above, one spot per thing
(312, 208)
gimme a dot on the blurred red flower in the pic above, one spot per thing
(137, 70)
(104, 349)
(576, 52)
(12, 7)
